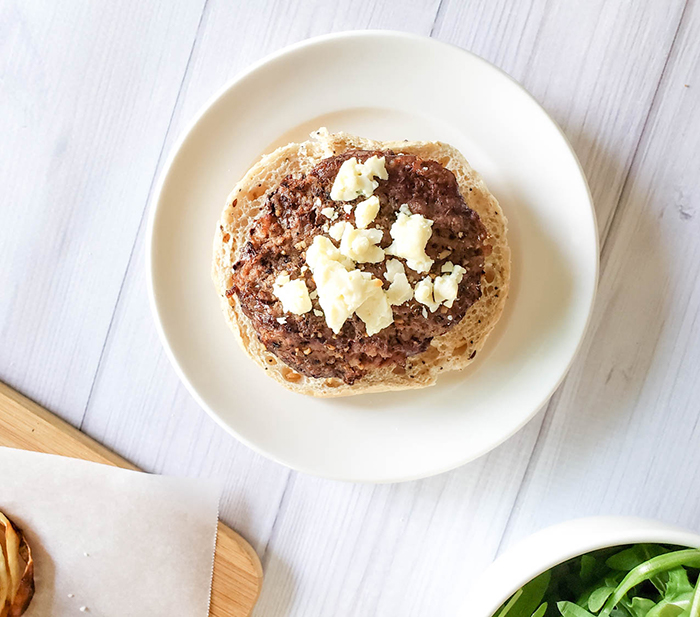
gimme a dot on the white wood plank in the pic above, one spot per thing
(88, 90)
(624, 438)
(350, 549)
(593, 65)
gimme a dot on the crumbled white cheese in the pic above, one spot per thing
(393, 267)
(282, 320)
(366, 211)
(400, 290)
(375, 311)
(424, 294)
(446, 286)
(355, 179)
(448, 266)
(336, 230)
(329, 213)
(318, 313)
(343, 291)
(347, 208)
(294, 295)
(411, 233)
(360, 245)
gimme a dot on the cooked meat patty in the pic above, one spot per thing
(291, 219)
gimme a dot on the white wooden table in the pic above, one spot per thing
(92, 98)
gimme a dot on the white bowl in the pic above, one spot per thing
(385, 85)
(554, 545)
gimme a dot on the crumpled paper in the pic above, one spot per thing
(110, 542)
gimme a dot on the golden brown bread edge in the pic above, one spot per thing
(451, 351)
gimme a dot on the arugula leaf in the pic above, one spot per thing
(529, 599)
(678, 583)
(627, 559)
(633, 556)
(569, 609)
(540, 611)
(505, 609)
(694, 610)
(648, 569)
(597, 599)
(664, 609)
(644, 580)
(639, 607)
(588, 566)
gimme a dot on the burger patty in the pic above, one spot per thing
(291, 218)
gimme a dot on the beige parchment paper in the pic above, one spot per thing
(113, 542)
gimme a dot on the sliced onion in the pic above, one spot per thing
(16, 570)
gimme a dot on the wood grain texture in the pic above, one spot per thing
(625, 433)
(593, 65)
(85, 108)
(237, 575)
(617, 437)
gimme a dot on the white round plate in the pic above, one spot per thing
(383, 85)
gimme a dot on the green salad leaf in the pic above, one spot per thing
(528, 599)
(598, 597)
(540, 612)
(641, 580)
(569, 609)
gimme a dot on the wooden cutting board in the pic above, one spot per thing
(24, 424)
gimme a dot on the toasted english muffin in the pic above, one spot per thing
(280, 200)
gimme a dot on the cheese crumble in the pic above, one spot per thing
(355, 179)
(411, 233)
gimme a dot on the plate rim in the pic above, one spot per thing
(155, 204)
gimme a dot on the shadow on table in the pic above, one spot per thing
(278, 589)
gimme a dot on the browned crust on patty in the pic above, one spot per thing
(293, 215)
